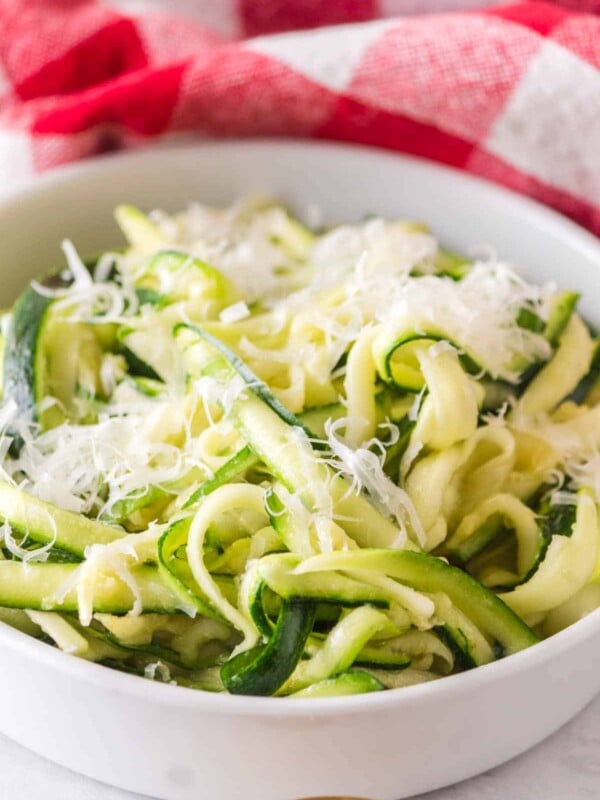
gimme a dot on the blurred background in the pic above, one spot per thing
(510, 92)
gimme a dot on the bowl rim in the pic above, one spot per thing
(544, 216)
(117, 682)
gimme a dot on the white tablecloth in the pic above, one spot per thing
(564, 767)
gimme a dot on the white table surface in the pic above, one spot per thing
(564, 767)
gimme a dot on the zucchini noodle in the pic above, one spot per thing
(225, 498)
(243, 456)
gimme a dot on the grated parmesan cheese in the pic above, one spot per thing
(235, 312)
(307, 299)
(365, 469)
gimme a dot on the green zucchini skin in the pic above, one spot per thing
(129, 505)
(556, 521)
(585, 386)
(26, 369)
(42, 587)
(559, 521)
(136, 366)
(264, 423)
(379, 658)
(478, 541)
(258, 613)
(427, 573)
(150, 297)
(456, 641)
(352, 682)
(19, 379)
(452, 265)
(563, 307)
(45, 523)
(27, 320)
(264, 669)
(230, 364)
(244, 460)
(562, 310)
(429, 337)
(21, 347)
(176, 572)
(315, 418)
(218, 287)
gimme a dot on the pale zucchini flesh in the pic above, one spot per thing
(336, 476)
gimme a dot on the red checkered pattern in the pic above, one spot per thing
(509, 92)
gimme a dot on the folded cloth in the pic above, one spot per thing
(508, 92)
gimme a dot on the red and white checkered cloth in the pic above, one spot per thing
(509, 92)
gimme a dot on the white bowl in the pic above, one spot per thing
(180, 744)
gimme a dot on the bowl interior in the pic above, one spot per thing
(346, 183)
